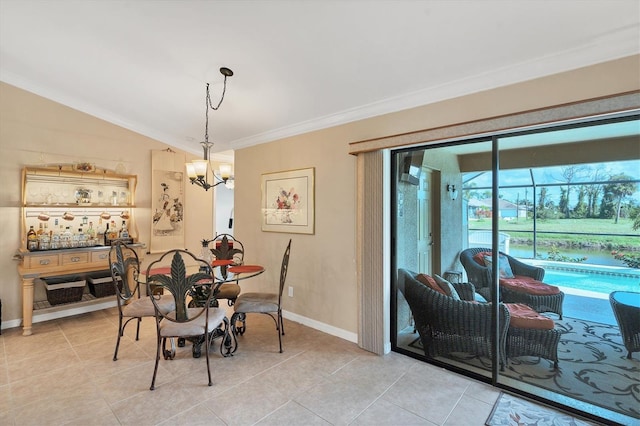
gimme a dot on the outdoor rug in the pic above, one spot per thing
(593, 367)
(511, 410)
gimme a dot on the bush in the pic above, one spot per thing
(632, 260)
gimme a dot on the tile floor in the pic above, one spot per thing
(64, 374)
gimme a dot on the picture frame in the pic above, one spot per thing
(288, 201)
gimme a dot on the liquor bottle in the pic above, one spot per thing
(40, 229)
(106, 235)
(32, 239)
(113, 231)
(100, 229)
(124, 232)
(90, 231)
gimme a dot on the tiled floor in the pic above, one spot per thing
(64, 374)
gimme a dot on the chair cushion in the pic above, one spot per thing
(256, 302)
(228, 291)
(430, 282)
(505, 267)
(528, 285)
(194, 327)
(522, 316)
(447, 287)
(479, 257)
(143, 307)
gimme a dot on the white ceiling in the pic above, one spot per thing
(299, 65)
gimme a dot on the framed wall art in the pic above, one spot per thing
(167, 189)
(288, 201)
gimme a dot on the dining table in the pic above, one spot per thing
(223, 271)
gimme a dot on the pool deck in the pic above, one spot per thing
(589, 308)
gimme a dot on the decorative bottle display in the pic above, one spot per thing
(32, 239)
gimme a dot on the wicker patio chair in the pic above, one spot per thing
(628, 318)
(480, 276)
(447, 325)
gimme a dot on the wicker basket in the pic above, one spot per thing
(101, 285)
(64, 289)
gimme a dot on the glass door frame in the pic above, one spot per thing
(495, 170)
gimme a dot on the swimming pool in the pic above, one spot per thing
(589, 280)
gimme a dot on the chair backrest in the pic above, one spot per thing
(283, 270)
(226, 247)
(124, 265)
(184, 281)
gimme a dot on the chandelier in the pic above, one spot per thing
(197, 169)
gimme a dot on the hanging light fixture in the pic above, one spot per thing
(197, 169)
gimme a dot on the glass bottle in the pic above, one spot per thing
(32, 239)
(100, 229)
(106, 235)
(124, 232)
(90, 231)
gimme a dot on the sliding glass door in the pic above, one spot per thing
(560, 206)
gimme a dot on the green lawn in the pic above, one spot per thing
(613, 239)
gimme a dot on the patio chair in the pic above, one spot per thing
(626, 308)
(447, 325)
(525, 286)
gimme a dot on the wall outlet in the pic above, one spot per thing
(290, 291)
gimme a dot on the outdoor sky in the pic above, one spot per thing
(553, 175)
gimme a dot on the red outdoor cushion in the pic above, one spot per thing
(430, 282)
(522, 316)
(528, 285)
(479, 257)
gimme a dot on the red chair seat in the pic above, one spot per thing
(528, 285)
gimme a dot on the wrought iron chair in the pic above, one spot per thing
(227, 248)
(125, 269)
(197, 322)
(263, 303)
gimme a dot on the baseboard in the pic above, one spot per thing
(66, 312)
(320, 326)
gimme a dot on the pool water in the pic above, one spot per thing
(591, 280)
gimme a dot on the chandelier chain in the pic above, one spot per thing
(209, 104)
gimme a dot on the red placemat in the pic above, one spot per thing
(245, 268)
(158, 271)
(222, 262)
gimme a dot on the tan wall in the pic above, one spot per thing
(36, 131)
(323, 265)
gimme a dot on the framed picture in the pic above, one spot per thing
(288, 201)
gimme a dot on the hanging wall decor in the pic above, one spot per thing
(288, 201)
(167, 203)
